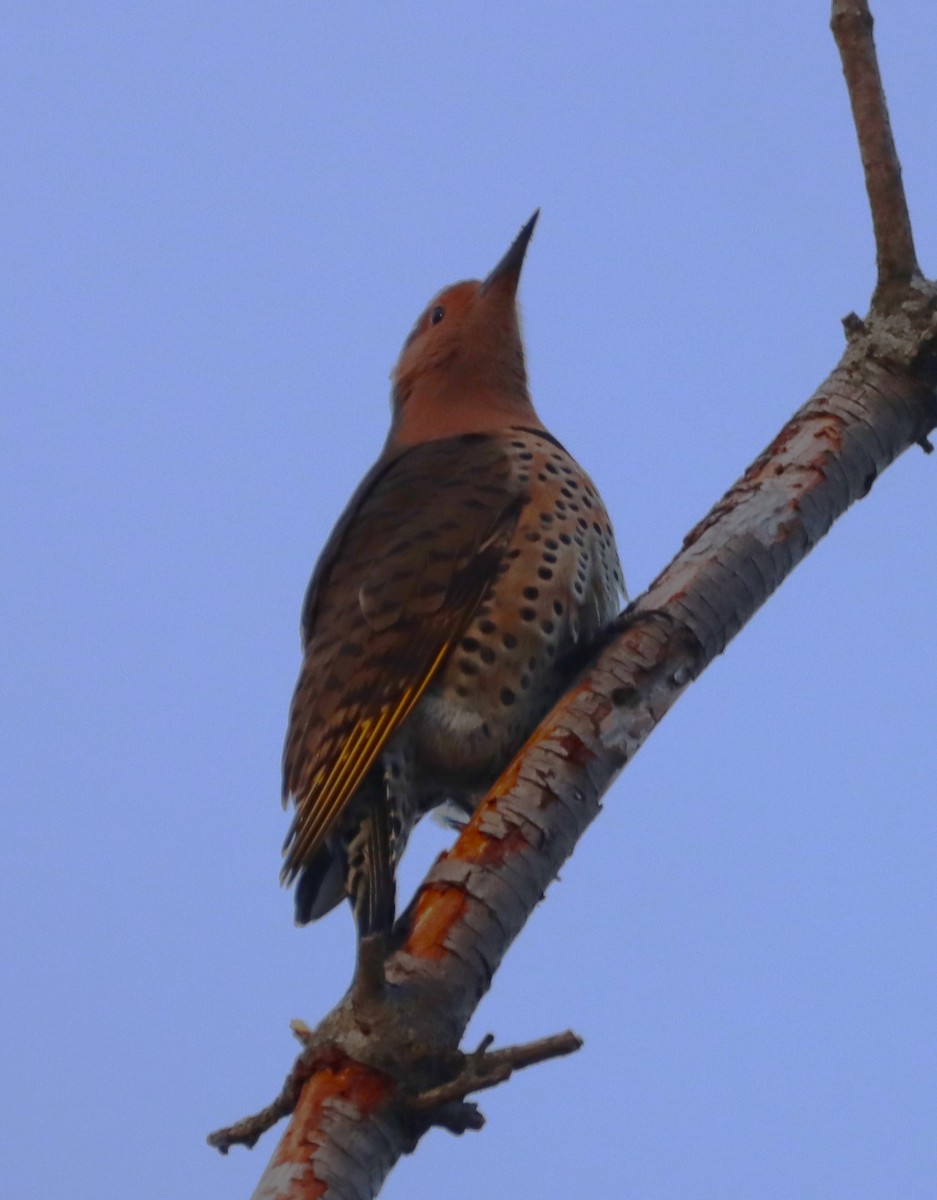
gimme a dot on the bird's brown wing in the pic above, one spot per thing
(399, 581)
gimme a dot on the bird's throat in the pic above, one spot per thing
(427, 412)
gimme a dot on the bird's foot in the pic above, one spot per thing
(367, 987)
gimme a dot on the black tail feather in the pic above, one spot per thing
(320, 885)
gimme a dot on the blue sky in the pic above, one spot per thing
(218, 224)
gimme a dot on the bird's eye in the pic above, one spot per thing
(437, 314)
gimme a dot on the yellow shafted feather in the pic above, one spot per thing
(335, 785)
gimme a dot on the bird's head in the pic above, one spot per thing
(462, 368)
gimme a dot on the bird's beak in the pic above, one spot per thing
(510, 265)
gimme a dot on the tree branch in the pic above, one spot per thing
(384, 1065)
(852, 23)
(485, 1070)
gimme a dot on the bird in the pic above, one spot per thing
(471, 564)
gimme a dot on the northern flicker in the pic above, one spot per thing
(473, 558)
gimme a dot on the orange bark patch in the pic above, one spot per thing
(475, 846)
(437, 910)
(351, 1082)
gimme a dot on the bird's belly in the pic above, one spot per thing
(452, 736)
(468, 734)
